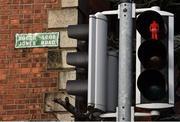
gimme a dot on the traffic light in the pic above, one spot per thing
(154, 60)
(95, 88)
(102, 67)
(79, 59)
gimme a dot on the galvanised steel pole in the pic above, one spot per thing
(125, 61)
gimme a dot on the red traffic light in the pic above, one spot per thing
(150, 25)
(154, 29)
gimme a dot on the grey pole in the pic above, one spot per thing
(125, 61)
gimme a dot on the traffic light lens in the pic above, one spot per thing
(152, 54)
(152, 85)
(150, 25)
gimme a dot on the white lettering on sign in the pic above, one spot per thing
(29, 40)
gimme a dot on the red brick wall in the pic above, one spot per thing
(23, 72)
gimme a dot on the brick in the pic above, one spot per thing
(27, 11)
(69, 3)
(14, 21)
(38, 50)
(27, 1)
(9, 107)
(43, 80)
(32, 100)
(16, 112)
(21, 101)
(62, 18)
(23, 86)
(23, 117)
(1, 114)
(18, 91)
(26, 21)
(33, 107)
(15, 12)
(51, 106)
(25, 70)
(5, 2)
(42, 90)
(65, 41)
(5, 12)
(8, 101)
(16, 1)
(64, 76)
(2, 77)
(36, 70)
(8, 118)
(3, 71)
(20, 106)
(41, 85)
(38, 1)
(37, 27)
(51, 1)
(19, 96)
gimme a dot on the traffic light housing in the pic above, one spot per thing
(79, 59)
(154, 60)
(102, 67)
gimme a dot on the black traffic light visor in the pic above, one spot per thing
(79, 32)
(145, 19)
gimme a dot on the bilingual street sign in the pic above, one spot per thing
(33, 40)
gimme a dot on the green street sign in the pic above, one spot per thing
(33, 40)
